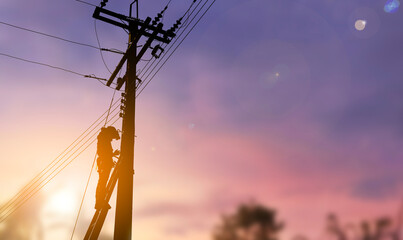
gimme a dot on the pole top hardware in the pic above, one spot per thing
(103, 3)
(139, 28)
(162, 36)
(155, 52)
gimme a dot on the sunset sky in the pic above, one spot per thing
(296, 104)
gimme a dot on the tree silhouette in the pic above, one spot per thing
(250, 222)
(333, 227)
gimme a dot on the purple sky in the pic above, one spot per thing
(284, 102)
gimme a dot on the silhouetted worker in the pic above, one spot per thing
(105, 163)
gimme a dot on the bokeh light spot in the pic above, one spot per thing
(391, 6)
(360, 24)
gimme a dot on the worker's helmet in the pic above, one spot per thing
(110, 132)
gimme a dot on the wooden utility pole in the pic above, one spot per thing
(124, 202)
(124, 171)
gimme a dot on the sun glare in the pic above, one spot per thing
(63, 202)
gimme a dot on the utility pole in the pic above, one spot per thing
(124, 171)
(124, 202)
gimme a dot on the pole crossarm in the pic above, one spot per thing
(165, 37)
(130, 49)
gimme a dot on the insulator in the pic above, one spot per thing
(179, 22)
(121, 115)
(175, 26)
(123, 95)
(123, 101)
(122, 108)
(159, 16)
(103, 3)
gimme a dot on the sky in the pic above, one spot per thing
(293, 104)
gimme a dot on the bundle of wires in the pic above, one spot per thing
(192, 17)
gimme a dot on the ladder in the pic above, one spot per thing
(99, 217)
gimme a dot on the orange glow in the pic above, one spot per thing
(63, 202)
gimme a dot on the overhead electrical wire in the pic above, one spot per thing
(40, 174)
(146, 67)
(60, 38)
(41, 177)
(204, 13)
(16, 200)
(71, 147)
(49, 35)
(44, 174)
(55, 172)
(88, 143)
(92, 168)
(48, 180)
(165, 43)
(82, 200)
(99, 45)
(66, 40)
(55, 67)
(166, 7)
(90, 4)
(21, 198)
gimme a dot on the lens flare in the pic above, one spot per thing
(391, 6)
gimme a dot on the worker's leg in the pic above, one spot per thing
(101, 187)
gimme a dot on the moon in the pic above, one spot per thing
(360, 24)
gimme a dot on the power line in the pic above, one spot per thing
(62, 39)
(176, 40)
(82, 200)
(18, 200)
(92, 167)
(42, 64)
(33, 189)
(55, 67)
(184, 38)
(54, 162)
(49, 35)
(99, 44)
(90, 4)
(176, 46)
(43, 183)
(41, 177)
(186, 20)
